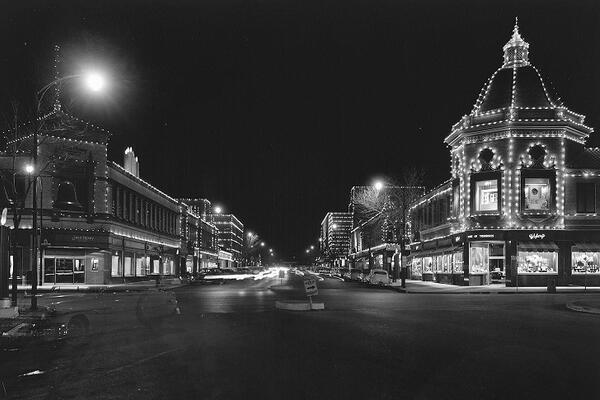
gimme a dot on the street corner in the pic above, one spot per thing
(588, 307)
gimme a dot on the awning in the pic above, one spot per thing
(537, 246)
(586, 246)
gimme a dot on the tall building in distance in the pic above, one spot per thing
(131, 162)
(230, 234)
(334, 239)
(200, 207)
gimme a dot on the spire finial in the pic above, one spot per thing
(516, 50)
(56, 106)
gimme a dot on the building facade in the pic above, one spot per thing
(379, 218)
(230, 231)
(334, 239)
(98, 222)
(521, 205)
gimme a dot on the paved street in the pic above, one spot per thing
(230, 342)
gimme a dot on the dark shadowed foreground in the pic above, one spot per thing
(230, 343)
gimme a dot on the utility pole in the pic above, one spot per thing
(34, 264)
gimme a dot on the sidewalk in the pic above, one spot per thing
(422, 287)
(169, 283)
(590, 306)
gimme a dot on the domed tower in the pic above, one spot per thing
(508, 154)
(510, 165)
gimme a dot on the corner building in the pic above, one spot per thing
(521, 205)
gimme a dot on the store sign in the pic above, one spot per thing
(537, 236)
(482, 236)
(82, 238)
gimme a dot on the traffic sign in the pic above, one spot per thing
(310, 287)
(281, 273)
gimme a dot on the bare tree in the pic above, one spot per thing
(390, 204)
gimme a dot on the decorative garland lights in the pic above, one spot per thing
(522, 141)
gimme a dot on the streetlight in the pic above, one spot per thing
(94, 82)
(312, 247)
(378, 185)
(218, 210)
(262, 244)
(250, 234)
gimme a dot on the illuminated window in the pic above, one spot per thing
(585, 262)
(538, 262)
(116, 265)
(537, 193)
(486, 195)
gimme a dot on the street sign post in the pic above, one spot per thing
(310, 287)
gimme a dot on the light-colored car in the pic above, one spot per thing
(378, 277)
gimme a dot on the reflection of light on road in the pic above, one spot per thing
(242, 293)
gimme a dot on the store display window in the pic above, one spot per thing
(427, 265)
(416, 267)
(457, 262)
(537, 194)
(140, 268)
(128, 265)
(116, 265)
(447, 263)
(479, 255)
(585, 262)
(486, 195)
(538, 262)
(438, 264)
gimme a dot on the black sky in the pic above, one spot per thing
(274, 109)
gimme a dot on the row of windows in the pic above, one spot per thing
(536, 197)
(134, 208)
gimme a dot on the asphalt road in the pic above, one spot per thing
(230, 343)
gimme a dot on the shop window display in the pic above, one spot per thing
(427, 265)
(128, 266)
(532, 262)
(416, 267)
(486, 195)
(116, 265)
(447, 263)
(479, 255)
(457, 262)
(585, 262)
(79, 270)
(537, 194)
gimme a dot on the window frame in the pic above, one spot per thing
(538, 174)
(481, 177)
(581, 194)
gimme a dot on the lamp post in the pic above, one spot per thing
(94, 82)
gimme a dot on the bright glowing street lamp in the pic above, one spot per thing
(262, 244)
(94, 81)
(218, 210)
(29, 169)
(250, 234)
(378, 185)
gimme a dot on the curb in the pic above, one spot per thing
(298, 305)
(583, 309)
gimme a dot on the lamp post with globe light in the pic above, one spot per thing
(94, 82)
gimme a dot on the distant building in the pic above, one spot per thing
(334, 240)
(131, 162)
(200, 207)
(379, 218)
(230, 235)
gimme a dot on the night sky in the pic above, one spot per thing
(274, 109)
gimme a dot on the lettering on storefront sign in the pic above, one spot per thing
(482, 236)
(81, 238)
(534, 236)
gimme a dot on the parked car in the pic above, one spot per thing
(377, 277)
(356, 275)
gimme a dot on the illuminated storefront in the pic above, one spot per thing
(521, 205)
